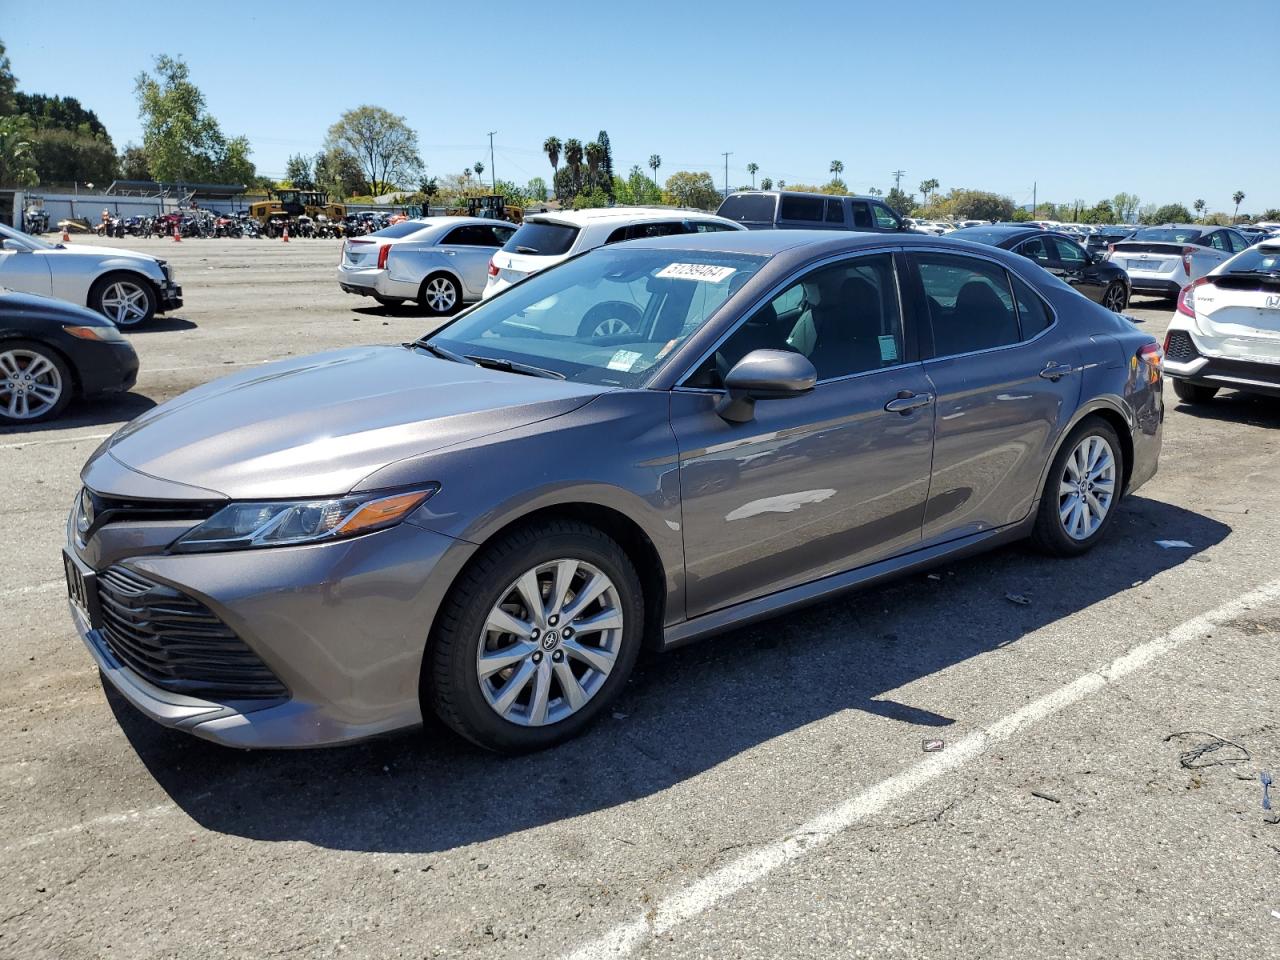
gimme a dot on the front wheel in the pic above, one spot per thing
(35, 383)
(125, 299)
(536, 639)
(1193, 392)
(440, 295)
(1116, 298)
(1082, 490)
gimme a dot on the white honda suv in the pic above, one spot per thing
(1161, 261)
(1226, 331)
(546, 239)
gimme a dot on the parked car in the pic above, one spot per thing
(440, 262)
(1226, 331)
(1253, 234)
(1163, 260)
(52, 352)
(792, 210)
(1099, 280)
(548, 238)
(1099, 242)
(491, 521)
(127, 288)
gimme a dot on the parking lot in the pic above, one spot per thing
(763, 794)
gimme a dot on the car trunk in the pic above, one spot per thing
(1245, 307)
(1147, 255)
(361, 251)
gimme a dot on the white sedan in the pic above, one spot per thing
(1226, 331)
(127, 288)
(438, 261)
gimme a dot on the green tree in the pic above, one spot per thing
(8, 84)
(900, 202)
(1238, 197)
(1169, 213)
(133, 163)
(596, 197)
(551, 147)
(595, 166)
(299, 171)
(1272, 214)
(58, 113)
(965, 204)
(752, 168)
(478, 167)
(536, 190)
(655, 162)
(68, 156)
(339, 174)
(1125, 206)
(17, 159)
(837, 168)
(874, 192)
(927, 187)
(1199, 205)
(686, 189)
(182, 140)
(766, 184)
(572, 185)
(382, 143)
(606, 162)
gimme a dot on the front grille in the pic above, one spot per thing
(96, 510)
(177, 643)
(1180, 348)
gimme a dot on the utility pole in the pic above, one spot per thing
(493, 174)
(1033, 198)
(897, 179)
(727, 155)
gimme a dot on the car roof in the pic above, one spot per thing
(815, 243)
(1004, 229)
(1180, 226)
(804, 193)
(619, 215)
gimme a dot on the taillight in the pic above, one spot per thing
(383, 251)
(1151, 354)
(493, 267)
(1187, 297)
(1186, 259)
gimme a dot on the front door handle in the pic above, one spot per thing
(1055, 371)
(906, 401)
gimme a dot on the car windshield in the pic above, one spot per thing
(35, 243)
(1169, 234)
(609, 317)
(402, 229)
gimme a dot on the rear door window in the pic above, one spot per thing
(802, 208)
(1036, 249)
(835, 210)
(542, 238)
(861, 214)
(970, 304)
(1070, 254)
(885, 219)
(1217, 240)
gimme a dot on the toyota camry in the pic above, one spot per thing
(492, 521)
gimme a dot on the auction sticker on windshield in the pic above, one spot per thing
(707, 272)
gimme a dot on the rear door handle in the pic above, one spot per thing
(906, 401)
(1055, 371)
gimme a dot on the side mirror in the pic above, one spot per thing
(13, 246)
(764, 375)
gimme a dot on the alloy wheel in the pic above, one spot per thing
(125, 302)
(440, 295)
(550, 642)
(1087, 487)
(611, 327)
(1113, 300)
(30, 384)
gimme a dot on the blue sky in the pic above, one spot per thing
(1087, 98)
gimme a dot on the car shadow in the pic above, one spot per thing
(1229, 406)
(90, 412)
(682, 714)
(163, 325)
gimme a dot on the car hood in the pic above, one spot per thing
(93, 250)
(27, 305)
(318, 425)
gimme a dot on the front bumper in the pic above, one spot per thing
(110, 367)
(343, 625)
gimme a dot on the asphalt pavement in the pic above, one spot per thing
(763, 794)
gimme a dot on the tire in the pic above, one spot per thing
(609, 319)
(1115, 298)
(31, 369)
(126, 299)
(440, 295)
(1193, 393)
(486, 709)
(1060, 529)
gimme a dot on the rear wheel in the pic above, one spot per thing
(536, 639)
(125, 299)
(1116, 298)
(1081, 492)
(35, 383)
(1193, 393)
(440, 294)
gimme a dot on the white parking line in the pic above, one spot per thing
(704, 893)
(43, 442)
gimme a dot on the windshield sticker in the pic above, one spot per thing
(706, 272)
(624, 360)
(888, 349)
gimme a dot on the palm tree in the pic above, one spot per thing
(782, 184)
(551, 146)
(1199, 205)
(837, 168)
(595, 157)
(655, 162)
(17, 152)
(478, 168)
(766, 184)
(573, 160)
(751, 169)
(1238, 197)
(927, 187)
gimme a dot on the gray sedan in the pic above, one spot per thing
(490, 522)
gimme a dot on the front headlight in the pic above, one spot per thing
(105, 333)
(276, 523)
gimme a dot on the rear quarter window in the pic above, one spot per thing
(749, 207)
(802, 208)
(542, 238)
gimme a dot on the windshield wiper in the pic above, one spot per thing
(441, 352)
(1248, 272)
(524, 249)
(514, 366)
